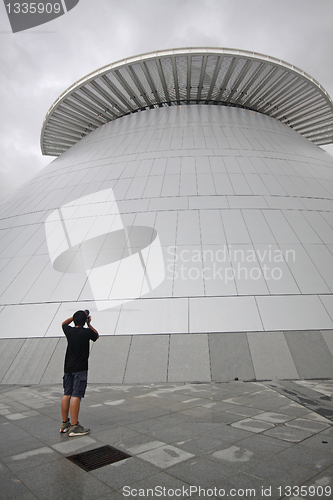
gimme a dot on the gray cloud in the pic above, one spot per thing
(39, 64)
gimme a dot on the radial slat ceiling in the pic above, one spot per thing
(189, 76)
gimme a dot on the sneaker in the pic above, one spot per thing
(78, 430)
(65, 426)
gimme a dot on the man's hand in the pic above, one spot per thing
(68, 321)
(91, 327)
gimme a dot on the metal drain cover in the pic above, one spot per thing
(99, 457)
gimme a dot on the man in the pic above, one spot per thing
(76, 370)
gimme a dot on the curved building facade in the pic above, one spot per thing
(190, 210)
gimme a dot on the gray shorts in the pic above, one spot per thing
(75, 384)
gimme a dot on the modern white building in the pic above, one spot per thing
(190, 210)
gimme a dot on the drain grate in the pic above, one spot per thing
(99, 457)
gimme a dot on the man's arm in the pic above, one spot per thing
(67, 321)
(91, 327)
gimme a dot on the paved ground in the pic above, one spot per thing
(228, 440)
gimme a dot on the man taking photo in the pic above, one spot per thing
(76, 370)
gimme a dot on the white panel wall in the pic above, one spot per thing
(242, 207)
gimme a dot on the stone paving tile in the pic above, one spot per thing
(249, 399)
(9, 448)
(263, 444)
(320, 441)
(6, 387)
(4, 469)
(174, 418)
(23, 414)
(270, 404)
(147, 426)
(121, 436)
(185, 430)
(125, 472)
(31, 458)
(84, 487)
(107, 423)
(318, 418)
(144, 446)
(237, 457)
(288, 434)
(130, 441)
(49, 473)
(307, 425)
(251, 425)
(10, 432)
(200, 471)
(13, 488)
(314, 459)
(201, 445)
(280, 471)
(44, 423)
(244, 411)
(165, 456)
(206, 415)
(170, 406)
(294, 409)
(328, 432)
(272, 417)
(229, 434)
(70, 446)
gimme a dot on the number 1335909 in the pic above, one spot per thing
(33, 8)
(303, 491)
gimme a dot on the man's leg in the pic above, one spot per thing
(79, 388)
(74, 409)
(65, 402)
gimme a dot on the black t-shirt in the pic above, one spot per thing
(77, 353)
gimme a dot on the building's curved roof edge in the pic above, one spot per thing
(204, 51)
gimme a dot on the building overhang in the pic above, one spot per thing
(189, 76)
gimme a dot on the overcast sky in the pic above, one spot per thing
(37, 65)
